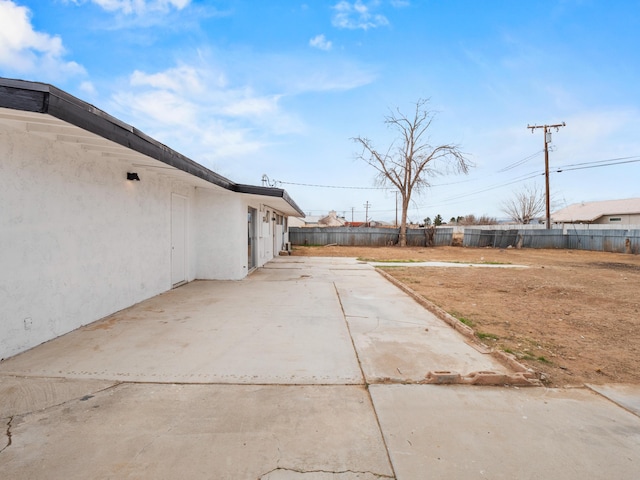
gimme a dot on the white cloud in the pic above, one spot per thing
(229, 109)
(26, 51)
(249, 105)
(357, 15)
(295, 75)
(139, 7)
(175, 79)
(332, 80)
(600, 133)
(88, 88)
(193, 109)
(320, 42)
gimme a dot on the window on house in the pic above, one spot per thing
(615, 219)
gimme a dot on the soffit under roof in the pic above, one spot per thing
(44, 110)
(54, 129)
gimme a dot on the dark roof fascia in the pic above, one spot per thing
(269, 192)
(44, 98)
(20, 95)
(47, 99)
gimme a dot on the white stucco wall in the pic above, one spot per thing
(80, 242)
(221, 235)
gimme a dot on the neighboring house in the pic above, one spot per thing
(331, 220)
(307, 221)
(608, 212)
(96, 216)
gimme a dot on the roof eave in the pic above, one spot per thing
(270, 192)
(46, 99)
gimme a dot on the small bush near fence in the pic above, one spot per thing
(619, 240)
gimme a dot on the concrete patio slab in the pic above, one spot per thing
(263, 379)
(462, 432)
(399, 340)
(201, 431)
(254, 331)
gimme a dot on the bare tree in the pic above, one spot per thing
(525, 205)
(411, 160)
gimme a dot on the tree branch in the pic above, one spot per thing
(409, 165)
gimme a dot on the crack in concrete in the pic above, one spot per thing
(83, 398)
(330, 472)
(8, 434)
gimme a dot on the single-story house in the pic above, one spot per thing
(608, 212)
(306, 221)
(330, 220)
(97, 216)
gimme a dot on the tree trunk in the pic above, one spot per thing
(430, 233)
(402, 241)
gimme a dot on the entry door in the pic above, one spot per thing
(178, 239)
(251, 227)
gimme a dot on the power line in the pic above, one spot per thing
(520, 162)
(521, 178)
(598, 163)
(334, 186)
(456, 199)
(559, 169)
(351, 187)
(462, 198)
(575, 166)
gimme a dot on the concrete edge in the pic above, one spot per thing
(521, 374)
(481, 378)
(612, 398)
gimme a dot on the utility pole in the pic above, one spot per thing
(547, 141)
(366, 210)
(352, 209)
(396, 208)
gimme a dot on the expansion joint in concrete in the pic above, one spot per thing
(364, 378)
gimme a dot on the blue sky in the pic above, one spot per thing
(248, 88)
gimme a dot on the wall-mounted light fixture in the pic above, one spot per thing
(133, 176)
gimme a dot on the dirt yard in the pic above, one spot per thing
(572, 316)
